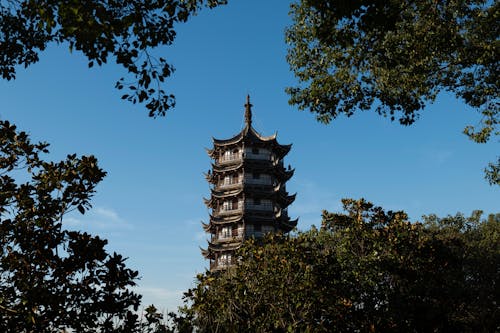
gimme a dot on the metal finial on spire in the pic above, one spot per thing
(248, 112)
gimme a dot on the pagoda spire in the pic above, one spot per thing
(248, 113)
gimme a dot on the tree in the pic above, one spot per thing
(123, 30)
(396, 57)
(365, 270)
(52, 278)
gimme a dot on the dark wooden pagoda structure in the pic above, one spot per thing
(248, 192)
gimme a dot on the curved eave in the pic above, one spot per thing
(279, 214)
(222, 220)
(218, 247)
(209, 177)
(226, 168)
(288, 199)
(227, 142)
(285, 175)
(210, 152)
(287, 226)
(280, 188)
(206, 226)
(250, 134)
(283, 150)
(206, 253)
(225, 194)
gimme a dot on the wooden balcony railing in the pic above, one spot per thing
(228, 237)
(231, 211)
(230, 158)
(233, 183)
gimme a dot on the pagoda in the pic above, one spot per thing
(248, 192)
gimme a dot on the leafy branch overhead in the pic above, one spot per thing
(396, 57)
(123, 30)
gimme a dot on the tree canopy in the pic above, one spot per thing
(125, 31)
(391, 56)
(52, 278)
(395, 57)
(364, 270)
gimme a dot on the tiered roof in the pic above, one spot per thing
(249, 135)
(243, 190)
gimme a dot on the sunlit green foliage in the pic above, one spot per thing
(395, 57)
(492, 173)
(365, 270)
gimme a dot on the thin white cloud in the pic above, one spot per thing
(193, 222)
(436, 157)
(99, 217)
(200, 236)
(312, 199)
(107, 213)
(441, 157)
(162, 298)
(195, 228)
(72, 221)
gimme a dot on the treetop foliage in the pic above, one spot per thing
(393, 56)
(101, 29)
(401, 54)
(396, 57)
(365, 270)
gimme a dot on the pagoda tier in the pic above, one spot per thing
(250, 136)
(248, 192)
(276, 170)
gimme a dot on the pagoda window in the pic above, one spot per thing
(258, 153)
(226, 232)
(231, 204)
(238, 231)
(258, 178)
(229, 179)
(230, 155)
(228, 205)
(259, 204)
(224, 260)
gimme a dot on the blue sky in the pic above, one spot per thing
(150, 204)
